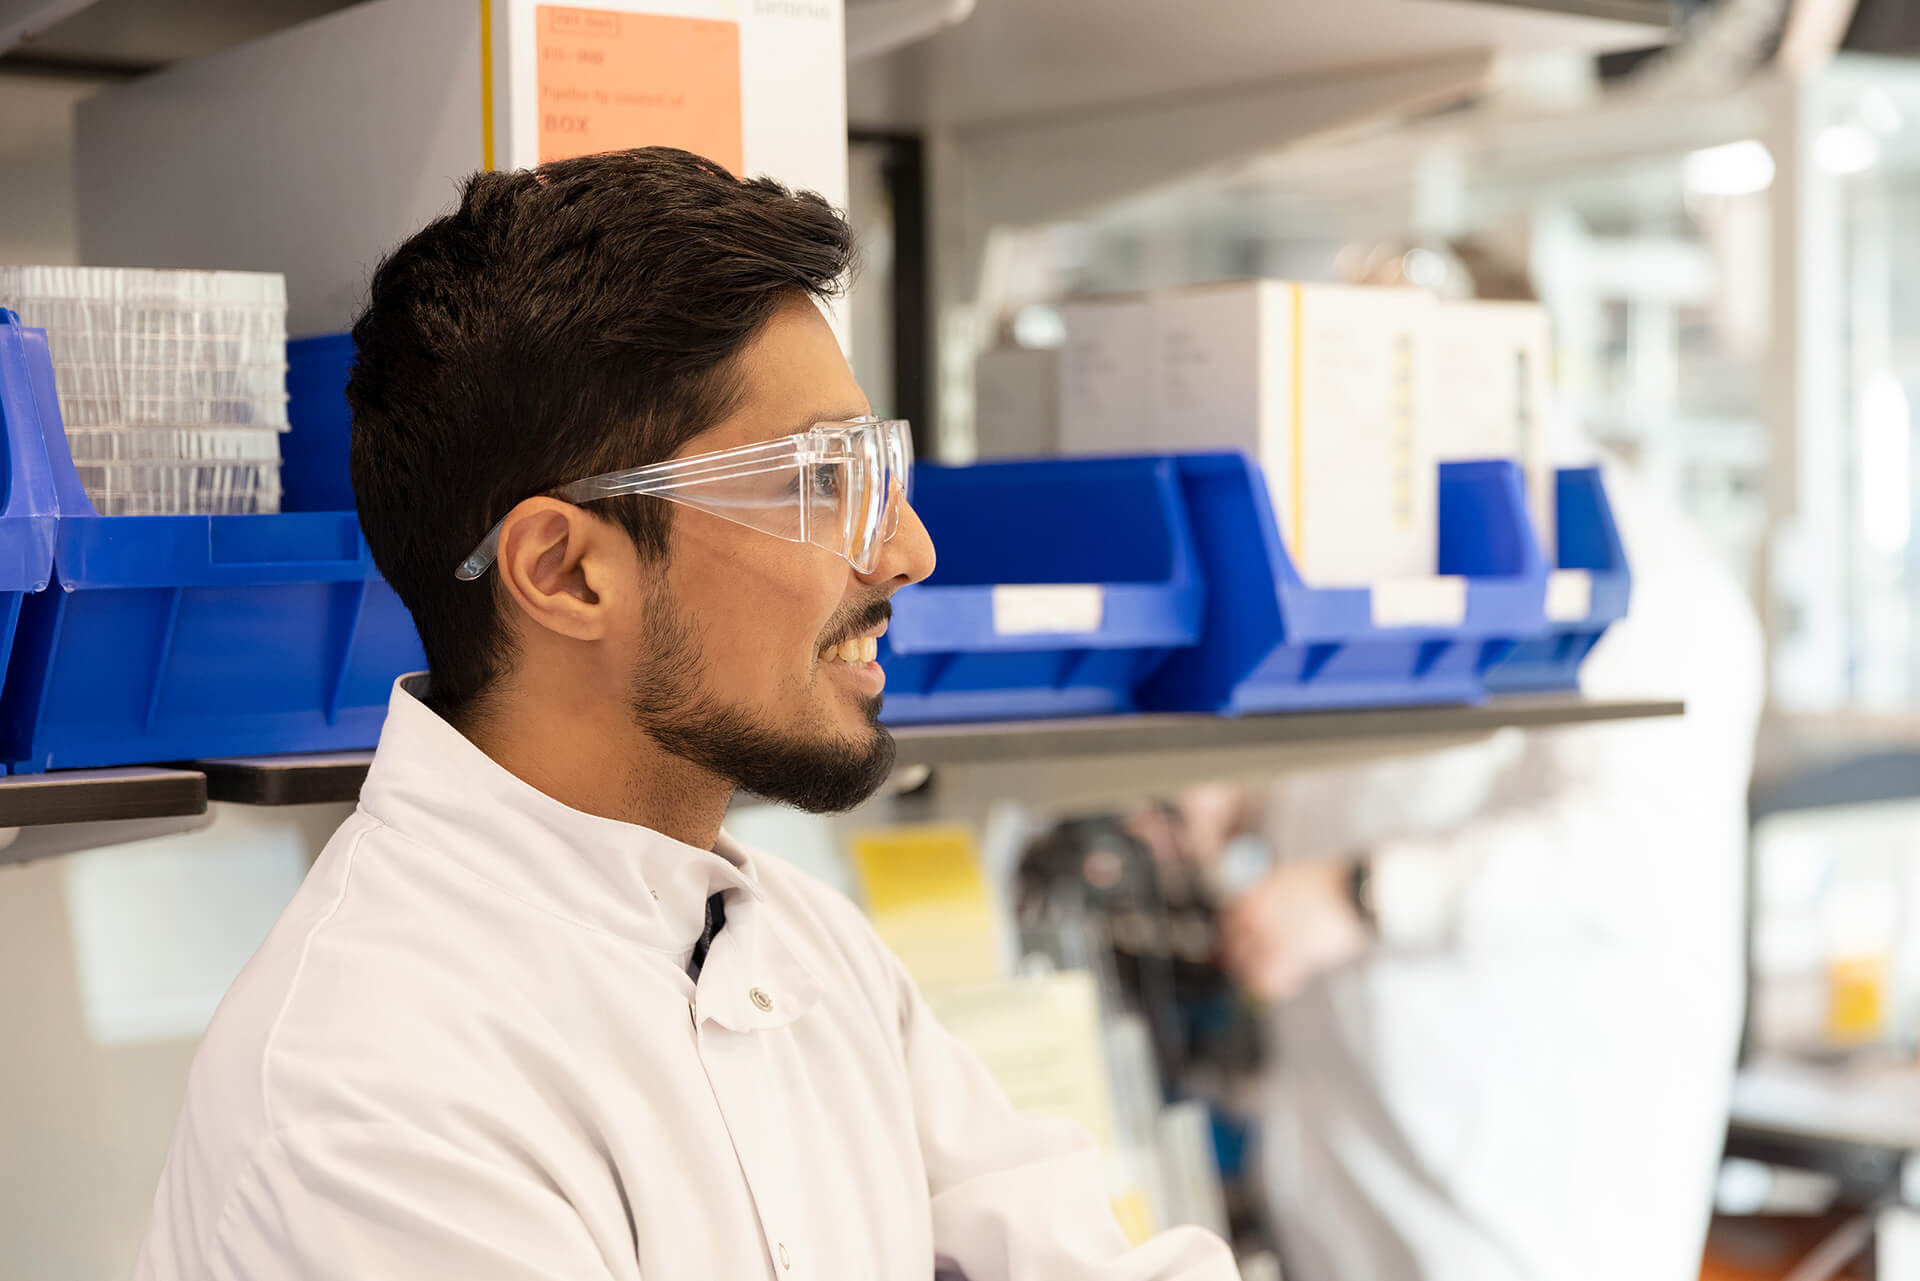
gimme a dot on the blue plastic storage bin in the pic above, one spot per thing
(182, 637)
(1271, 643)
(29, 510)
(313, 453)
(1588, 541)
(1061, 585)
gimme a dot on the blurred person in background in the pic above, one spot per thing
(1506, 979)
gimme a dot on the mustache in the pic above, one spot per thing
(866, 618)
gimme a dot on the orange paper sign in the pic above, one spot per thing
(614, 80)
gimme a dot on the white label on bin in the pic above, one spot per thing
(1569, 595)
(1420, 602)
(1031, 609)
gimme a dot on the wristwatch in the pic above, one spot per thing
(1360, 889)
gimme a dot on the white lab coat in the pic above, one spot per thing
(470, 1049)
(1528, 1080)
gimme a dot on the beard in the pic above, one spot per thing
(821, 775)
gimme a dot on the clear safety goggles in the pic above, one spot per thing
(836, 485)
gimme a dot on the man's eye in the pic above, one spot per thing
(826, 481)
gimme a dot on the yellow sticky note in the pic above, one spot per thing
(930, 902)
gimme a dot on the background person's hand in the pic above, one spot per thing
(1214, 813)
(1297, 923)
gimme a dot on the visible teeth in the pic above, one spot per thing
(857, 650)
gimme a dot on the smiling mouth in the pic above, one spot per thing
(859, 649)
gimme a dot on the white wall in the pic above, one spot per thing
(94, 948)
(36, 166)
(81, 1128)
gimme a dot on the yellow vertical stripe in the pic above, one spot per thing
(1298, 547)
(486, 85)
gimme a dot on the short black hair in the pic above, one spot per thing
(578, 318)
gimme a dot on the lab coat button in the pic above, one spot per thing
(785, 1262)
(761, 999)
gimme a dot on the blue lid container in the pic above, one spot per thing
(1062, 584)
(1271, 643)
(1588, 545)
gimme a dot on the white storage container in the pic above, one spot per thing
(187, 444)
(180, 372)
(172, 488)
(1326, 386)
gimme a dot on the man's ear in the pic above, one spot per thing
(557, 562)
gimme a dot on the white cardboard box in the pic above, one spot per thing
(1324, 384)
(1490, 389)
(1106, 383)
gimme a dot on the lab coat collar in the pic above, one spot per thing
(752, 981)
(430, 783)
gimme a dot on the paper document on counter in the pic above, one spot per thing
(1040, 1037)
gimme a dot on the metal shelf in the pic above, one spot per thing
(98, 795)
(1109, 757)
(936, 745)
(286, 780)
(304, 780)
(69, 810)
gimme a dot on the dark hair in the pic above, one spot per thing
(574, 319)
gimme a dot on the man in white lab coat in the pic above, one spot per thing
(1507, 977)
(532, 1014)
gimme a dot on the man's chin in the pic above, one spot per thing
(833, 779)
(820, 774)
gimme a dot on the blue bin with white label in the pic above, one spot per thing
(166, 638)
(1272, 643)
(1062, 584)
(1588, 592)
